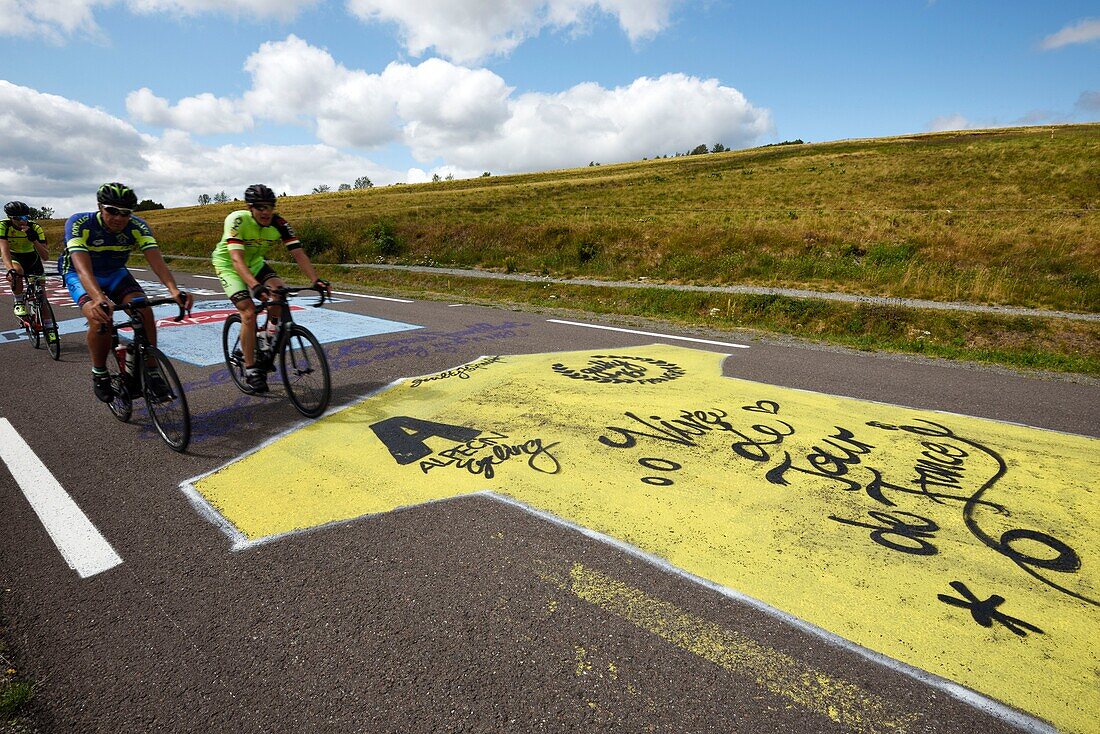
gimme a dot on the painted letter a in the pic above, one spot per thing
(405, 436)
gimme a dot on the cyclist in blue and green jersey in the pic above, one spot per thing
(22, 248)
(239, 262)
(97, 247)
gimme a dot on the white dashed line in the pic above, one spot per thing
(84, 549)
(649, 333)
(377, 298)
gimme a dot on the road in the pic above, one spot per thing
(598, 530)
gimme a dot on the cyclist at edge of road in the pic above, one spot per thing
(239, 262)
(23, 250)
(97, 246)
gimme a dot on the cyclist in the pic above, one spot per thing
(239, 262)
(97, 246)
(23, 249)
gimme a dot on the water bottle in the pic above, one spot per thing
(131, 360)
(272, 332)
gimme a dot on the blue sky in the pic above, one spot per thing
(181, 97)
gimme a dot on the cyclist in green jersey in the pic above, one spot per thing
(239, 262)
(22, 248)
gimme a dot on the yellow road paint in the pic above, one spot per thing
(961, 546)
(847, 704)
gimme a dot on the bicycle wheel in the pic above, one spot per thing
(122, 405)
(168, 410)
(53, 337)
(305, 372)
(231, 350)
(33, 322)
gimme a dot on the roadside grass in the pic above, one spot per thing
(1051, 344)
(1008, 217)
(15, 694)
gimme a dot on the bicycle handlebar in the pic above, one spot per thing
(132, 307)
(284, 291)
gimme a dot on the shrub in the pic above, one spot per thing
(383, 238)
(316, 237)
(587, 250)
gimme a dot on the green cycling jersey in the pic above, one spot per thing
(18, 240)
(242, 232)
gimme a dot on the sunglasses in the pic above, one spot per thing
(115, 211)
(264, 207)
(21, 218)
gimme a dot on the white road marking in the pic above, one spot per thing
(140, 270)
(85, 550)
(377, 298)
(456, 305)
(208, 277)
(649, 333)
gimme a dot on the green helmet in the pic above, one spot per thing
(116, 194)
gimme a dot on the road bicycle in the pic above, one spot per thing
(39, 323)
(302, 363)
(166, 402)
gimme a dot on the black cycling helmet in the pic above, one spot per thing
(259, 194)
(17, 209)
(116, 194)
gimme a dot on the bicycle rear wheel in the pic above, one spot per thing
(169, 411)
(234, 355)
(49, 328)
(305, 372)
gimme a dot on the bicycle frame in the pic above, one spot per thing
(139, 343)
(285, 322)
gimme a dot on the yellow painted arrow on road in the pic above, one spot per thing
(962, 546)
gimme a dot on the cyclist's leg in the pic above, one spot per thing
(32, 266)
(247, 310)
(99, 343)
(268, 277)
(123, 289)
(15, 280)
(234, 287)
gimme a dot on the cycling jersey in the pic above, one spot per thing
(85, 232)
(242, 232)
(18, 240)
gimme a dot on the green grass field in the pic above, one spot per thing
(1008, 217)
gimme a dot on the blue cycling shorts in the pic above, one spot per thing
(117, 285)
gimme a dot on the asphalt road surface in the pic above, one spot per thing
(503, 611)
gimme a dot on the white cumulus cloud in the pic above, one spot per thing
(58, 20)
(649, 117)
(56, 152)
(471, 118)
(1082, 31)
(944, 123)
(469, 30)
(204, 114)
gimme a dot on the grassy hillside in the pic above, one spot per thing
(1008, 217)
(1003, 217)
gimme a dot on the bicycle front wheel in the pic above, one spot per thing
(234, 355)
(49, 328)
(305, 372)
(167, 404)
(34, 322)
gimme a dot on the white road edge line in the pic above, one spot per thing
(208, 277)
(649, 333)
(377, 298)
(85, 550)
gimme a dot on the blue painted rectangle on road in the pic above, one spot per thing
(198, 338)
